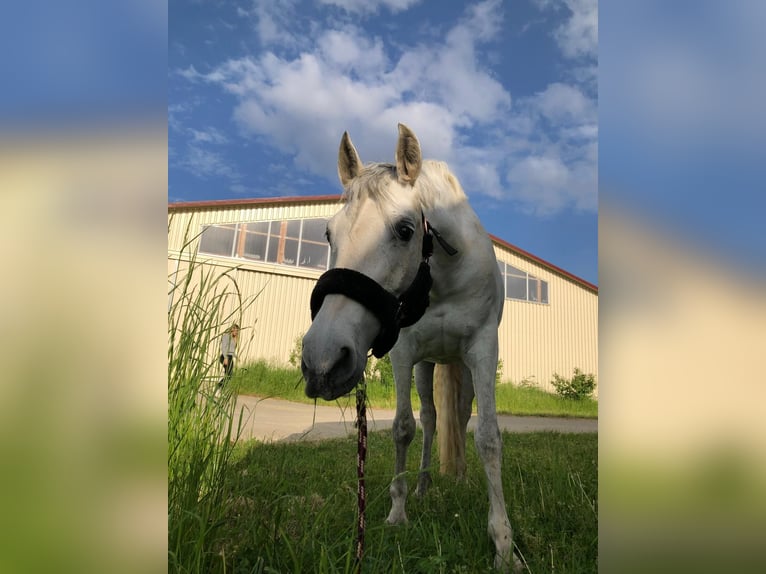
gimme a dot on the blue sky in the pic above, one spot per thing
(82, 63)
(260, 92)
(683, 123)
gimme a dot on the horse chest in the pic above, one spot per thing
(441, 335)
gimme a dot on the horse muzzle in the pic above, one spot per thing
(332, 363)
(334, 355)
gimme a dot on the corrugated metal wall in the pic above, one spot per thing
(274, 310)
(536, 340)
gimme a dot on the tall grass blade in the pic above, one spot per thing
(203, 302)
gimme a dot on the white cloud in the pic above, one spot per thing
(209, 135)
(371, 6)
(540, 152)
(452, 73)
(350, 50)
(557, 167)
(273, 21)
(484, 20)
(544, 184)
(578, 35)
(566, 104)
(347, 81)
(204, 163)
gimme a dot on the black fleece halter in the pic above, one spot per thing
(393, 313)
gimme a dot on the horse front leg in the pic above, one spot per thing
(482, 362)
(403, 432)
(424, 381)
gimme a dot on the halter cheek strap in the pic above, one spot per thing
(393, 313)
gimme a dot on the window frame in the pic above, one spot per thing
(276, 230)
(528, 278)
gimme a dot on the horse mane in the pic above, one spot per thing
(435, 184)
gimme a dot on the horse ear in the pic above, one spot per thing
(408, 158)
(349, 164)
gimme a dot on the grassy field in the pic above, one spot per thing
(258, 508)
(291, 507)
(265, 380)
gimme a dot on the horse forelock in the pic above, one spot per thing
(373, 182)
(435, 185)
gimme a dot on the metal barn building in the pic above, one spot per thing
(275, 249)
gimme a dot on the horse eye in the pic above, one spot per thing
(327, 234)
(404, 231)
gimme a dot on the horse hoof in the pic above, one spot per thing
(501, 565)
(395, 519)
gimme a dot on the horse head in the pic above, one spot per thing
(376, 245)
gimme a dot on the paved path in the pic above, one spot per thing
(277, 420)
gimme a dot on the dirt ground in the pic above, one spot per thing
(278, 420)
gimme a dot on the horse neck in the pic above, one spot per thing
(460, 227)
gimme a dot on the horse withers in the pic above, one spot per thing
(435, 307)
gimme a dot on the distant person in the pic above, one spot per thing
(228, 352)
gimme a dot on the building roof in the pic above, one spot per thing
(263, 201)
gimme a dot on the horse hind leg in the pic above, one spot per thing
(489, 446)
(464, 409)
(424, 375)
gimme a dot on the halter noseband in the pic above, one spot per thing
(393, 313)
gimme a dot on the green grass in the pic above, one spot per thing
(200, 430)
(264, 380)
(516, 400)
(291, 507)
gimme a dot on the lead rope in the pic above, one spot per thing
(361, 456)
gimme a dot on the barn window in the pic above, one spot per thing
(218, 240)
(522, 286)
(256, 240)
(314, 249)
(515, 283)
(283, 242)
(294, 242)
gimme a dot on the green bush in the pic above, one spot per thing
(383, 371)
(580, 386)
(528, 382)
(296, 352)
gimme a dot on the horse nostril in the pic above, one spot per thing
(345, 357)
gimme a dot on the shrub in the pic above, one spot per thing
(580, 386)
(528, 382)
(296, 352)
(384, 371)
